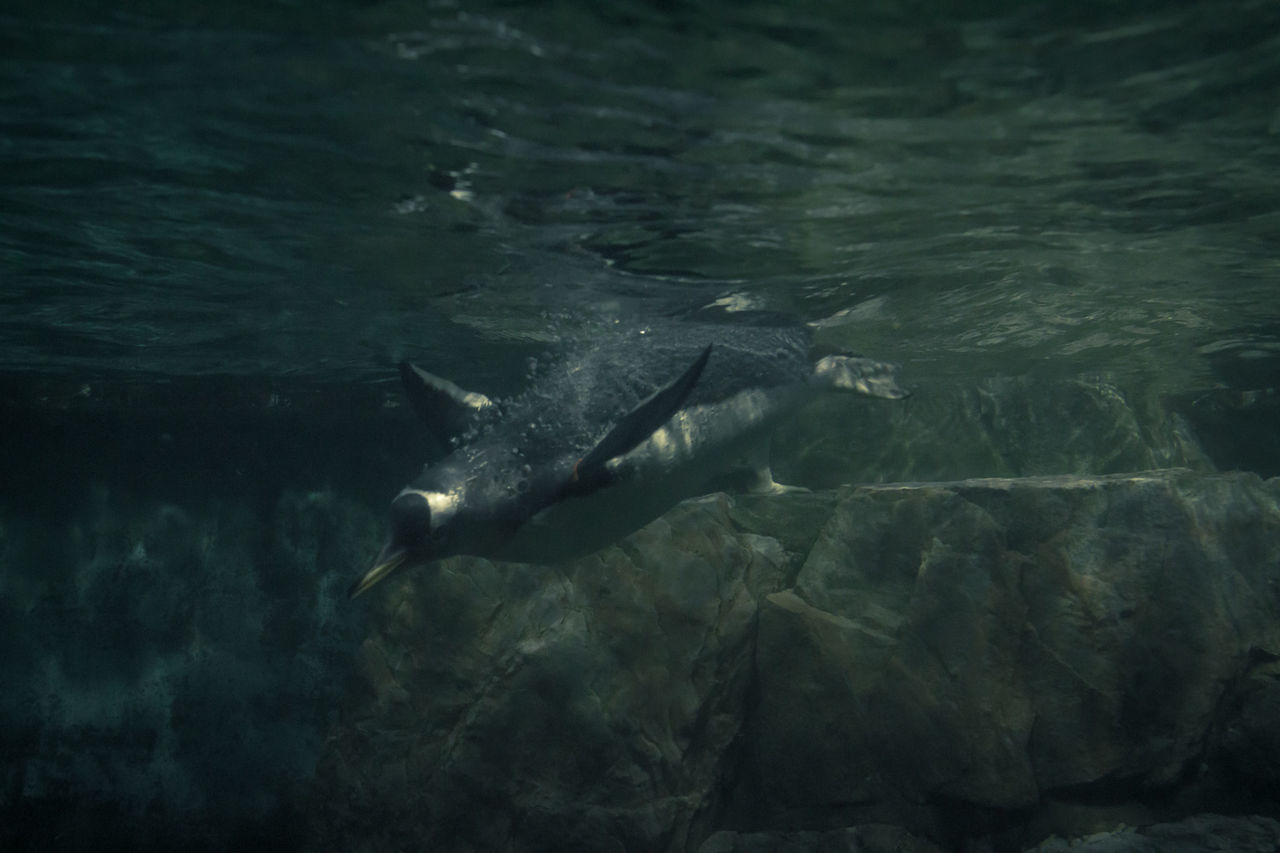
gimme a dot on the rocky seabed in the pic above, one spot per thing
(989, 664)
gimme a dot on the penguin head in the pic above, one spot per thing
(418, 534)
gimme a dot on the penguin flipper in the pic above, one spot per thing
(640, 423)
(447, 410)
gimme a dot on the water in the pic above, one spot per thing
(221, 223)
(288, 191)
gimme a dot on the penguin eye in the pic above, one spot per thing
(410, 518)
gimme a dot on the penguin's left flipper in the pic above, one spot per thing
(636, 426)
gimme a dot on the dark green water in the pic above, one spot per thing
(212, 211)
(289, 189)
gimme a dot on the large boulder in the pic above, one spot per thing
(992, 642)
(949, 659)
(1250, 834)
(584, 708)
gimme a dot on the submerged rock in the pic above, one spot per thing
(869, 838)
(1192, 835)
(990, 641)
(945, 658)
(512, 707)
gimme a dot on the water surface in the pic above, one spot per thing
(288, 190)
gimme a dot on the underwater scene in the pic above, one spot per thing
(686, 426)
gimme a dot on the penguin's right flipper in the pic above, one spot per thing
(640, 423)
(447, 410)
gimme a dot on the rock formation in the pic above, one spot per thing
(985, 659)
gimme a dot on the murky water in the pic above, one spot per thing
(295, 190)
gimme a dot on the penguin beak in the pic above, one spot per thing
(388, 561)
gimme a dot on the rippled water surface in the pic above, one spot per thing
(308, 189)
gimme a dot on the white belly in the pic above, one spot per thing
(696, 452)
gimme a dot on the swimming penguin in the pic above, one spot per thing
(596, 449)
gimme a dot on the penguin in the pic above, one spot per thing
(606, 440)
